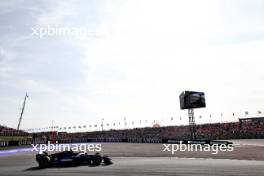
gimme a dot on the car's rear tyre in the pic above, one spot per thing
(44, 162)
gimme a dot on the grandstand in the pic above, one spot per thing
(243, 129)
(11, 136)
(246, 128)
(6, 131)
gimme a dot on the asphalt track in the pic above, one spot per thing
(147, 159)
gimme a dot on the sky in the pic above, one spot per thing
(132, 61)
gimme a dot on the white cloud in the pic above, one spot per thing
(148, 52)
(149, 48)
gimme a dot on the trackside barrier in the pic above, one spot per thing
(14, 143)
(4, 143)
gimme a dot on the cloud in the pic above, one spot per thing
(1, 54)
(153, 50)
(145, 54)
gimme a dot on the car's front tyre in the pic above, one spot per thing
(96, 160)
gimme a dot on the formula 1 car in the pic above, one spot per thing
(69, 158)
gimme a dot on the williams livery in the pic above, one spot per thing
(70, 158)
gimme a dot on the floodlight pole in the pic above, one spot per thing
(192, 123)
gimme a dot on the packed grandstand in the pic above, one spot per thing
(244, 128)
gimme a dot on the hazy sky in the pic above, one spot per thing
(134, 61)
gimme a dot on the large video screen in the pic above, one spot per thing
(192, 99)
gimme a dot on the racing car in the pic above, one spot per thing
(70, 158)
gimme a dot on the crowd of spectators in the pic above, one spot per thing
(252, 128)
(244, 128)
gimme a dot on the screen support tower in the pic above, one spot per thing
(22, 111)
(192, 123)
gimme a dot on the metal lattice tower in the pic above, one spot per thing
(192, 123)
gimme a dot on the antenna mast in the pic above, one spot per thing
(23, 108)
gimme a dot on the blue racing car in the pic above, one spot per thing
(70, 158)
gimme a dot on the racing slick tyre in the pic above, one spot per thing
(44, 162)
(107, 160)
(96, 160)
